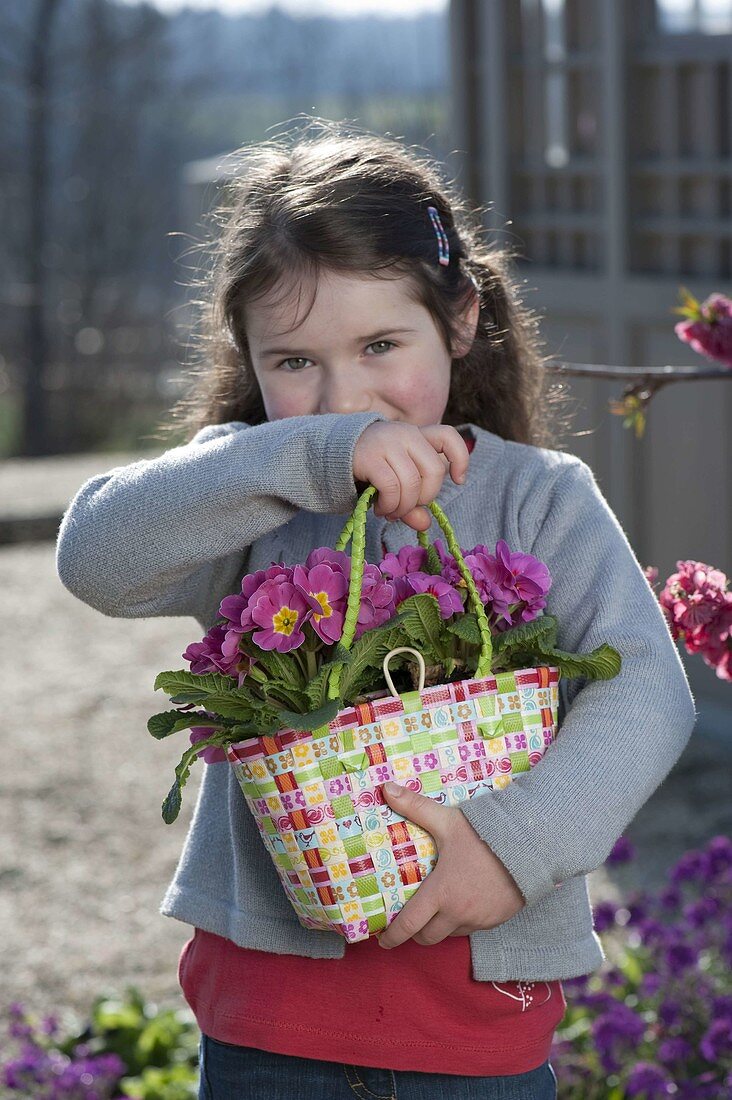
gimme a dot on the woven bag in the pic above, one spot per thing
(347, 861)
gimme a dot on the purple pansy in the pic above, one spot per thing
(622, 852)
(649, 1082)
(716, 1043)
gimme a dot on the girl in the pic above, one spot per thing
(409, 357)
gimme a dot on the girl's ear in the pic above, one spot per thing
(467, 324)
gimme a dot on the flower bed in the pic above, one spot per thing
(656, 1021)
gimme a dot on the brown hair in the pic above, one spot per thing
(350, 201)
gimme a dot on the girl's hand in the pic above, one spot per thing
(468, 889)
(407, 464)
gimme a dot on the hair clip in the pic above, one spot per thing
(443, 246)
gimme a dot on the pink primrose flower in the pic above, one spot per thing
(211, 754)
(530, 579)
(711, 333)
(410, 559)
(281, 609)
(338, 559)
(448, 599)
(328, 585)
(236, 608)
(493, 583)
(377, 600)
(512, 586)
(377, 595)
(208, 656)
(450, 571)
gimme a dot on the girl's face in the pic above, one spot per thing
(366, 346)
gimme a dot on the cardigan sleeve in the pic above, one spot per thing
(620, 737)
(161, 536)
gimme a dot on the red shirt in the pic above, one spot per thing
(415, 1007)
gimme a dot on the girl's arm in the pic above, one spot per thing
(620, 737)
(157, 537)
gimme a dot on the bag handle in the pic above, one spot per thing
(393, 653)
(356, 529)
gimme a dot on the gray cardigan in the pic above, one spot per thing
(173, 535)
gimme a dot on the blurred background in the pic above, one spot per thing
(598, 135)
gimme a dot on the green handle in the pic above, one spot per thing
(356, 528)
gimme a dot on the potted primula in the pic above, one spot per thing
(288, 686)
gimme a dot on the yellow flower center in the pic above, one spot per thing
(322, 598)
(285, 620)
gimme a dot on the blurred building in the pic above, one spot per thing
(601, 130)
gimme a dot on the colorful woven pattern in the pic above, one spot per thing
(347, 861)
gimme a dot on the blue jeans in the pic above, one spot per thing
(245, 1073)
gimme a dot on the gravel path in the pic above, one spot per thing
(85, 855)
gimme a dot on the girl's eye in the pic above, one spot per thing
(299, 359)
(294, 359)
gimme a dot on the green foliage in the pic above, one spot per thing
(157, 1049)
(534, 643)
(172, 802)
(171, 721)
(187, 687)
(421, 620)
(365, 655)
(143, 1036)
(314, 719)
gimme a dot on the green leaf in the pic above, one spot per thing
(235, 703)
(421, 619)
(368, 657)
(313, 719)
(316, 689)
(280, 666)
(243, 731)
(433, 565)
(171, 721)
(540, 632)
(534, 643)
(465, 626)
(341, 655)
(181, 681)
(279, 694)
(172, 803)
(603, 663)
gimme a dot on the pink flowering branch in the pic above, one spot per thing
(707, 329)
(697, 605)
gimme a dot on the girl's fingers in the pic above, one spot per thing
(400, 485)
(419, 518)
(447, 440)
(414, 470)
(421, 473)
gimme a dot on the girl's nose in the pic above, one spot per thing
(343, 396)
